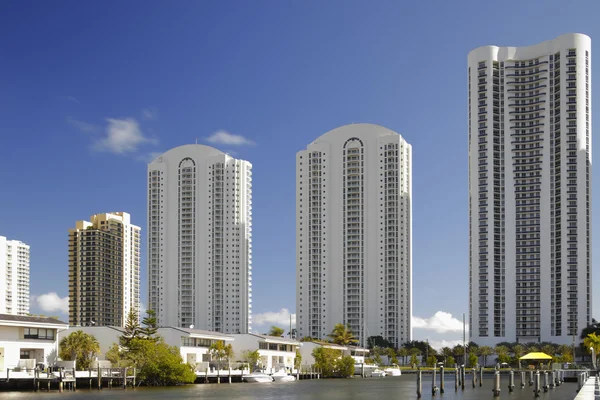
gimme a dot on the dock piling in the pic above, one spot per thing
(511, 381)
(419, 388)
(496, 390)
(433, 382)
(545, 381)
(442, 379)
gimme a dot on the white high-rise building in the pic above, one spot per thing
(14, 271)
(530, 167)
(353, 234)
(200, 239)
(104, 270)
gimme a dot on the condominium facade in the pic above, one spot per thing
(14, 271)
(354, 234)
(200, 239)
(104, 270)
(530, 161)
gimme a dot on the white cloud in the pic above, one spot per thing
(441, 322)
(149, 157)
(223, 137)
(122, 136)
(52, 302)
(278, 318)
(82, 126)
(149, 114)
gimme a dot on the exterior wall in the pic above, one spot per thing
(12, 342)
(104, 270)
(200, 239)
(530, 191)
(14, 273)
(354, 234)
(106, 336)
(271, 359)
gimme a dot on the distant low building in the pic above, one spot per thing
(28, 338)
(357, 353)
(275, 352)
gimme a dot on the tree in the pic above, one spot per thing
(252, 358)
(298, 360)
(132, 330)
(344, 367)
(307, 339)
(342, 335)
(431, 361)
(379, 341)
(221, 352)
(549, 349)
(450, 361)
(160, 364)
(473, 359)
(403, 353)
(592, 341)
(519, 351)
(81, 347)
(276, 331)
(502, 352)
(325, 360)
(594, 327)
(458, 352)
(485, 351)
(414, 352)
(150, 325)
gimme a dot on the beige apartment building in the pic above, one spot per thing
(104, 270)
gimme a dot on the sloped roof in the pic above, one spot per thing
(536, 356)
(30, 319)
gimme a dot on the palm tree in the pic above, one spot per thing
(502, 352)
(220, 351)
(566, 353)
(459, 352)
(276, 331)
(446, 352)
(592, 341)
(485, 351)
(402, 352)
(79, 346)
(549, 349)
(342, 335)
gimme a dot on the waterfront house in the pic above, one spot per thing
(193, 344)
(28, 338)
(307, 348)
(275, 352)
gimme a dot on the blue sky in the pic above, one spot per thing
(90, 90)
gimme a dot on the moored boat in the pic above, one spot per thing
(378, 373)
(282, 376)
(393, 371)
(258, 377)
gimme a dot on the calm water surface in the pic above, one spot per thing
(389, 388)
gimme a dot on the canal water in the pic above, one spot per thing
(388, 388)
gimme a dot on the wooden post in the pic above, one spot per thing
(456, 378)
(522, 379)
(545, 381)
(530, 378)
(463, 375)
(536, 387)
(230, 374)
(35, 379)
(480, 375)
(419, 388)
(474, 377)
(219, 373)
(511, 381)
(362, 370)
(60, 380)
(433, 382)
(442, 379)
(496, 389)
(99, 378)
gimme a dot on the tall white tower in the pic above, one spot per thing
(530, 167)
(14, 274)
(200, 239)
(353, 234)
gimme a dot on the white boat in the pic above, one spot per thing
(258, 377)
(393, 371)
(282, 376)
(378, 373)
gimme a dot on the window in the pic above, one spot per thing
(38, 333)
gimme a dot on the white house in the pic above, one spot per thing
(275, 352)
(193, 344)
(307, 348)
(28, 338)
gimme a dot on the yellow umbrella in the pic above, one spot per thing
(536, 356)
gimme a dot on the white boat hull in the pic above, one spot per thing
(393, 372)
(258, 378)
(284, 378)
(378, 374)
